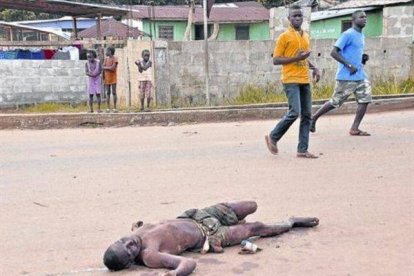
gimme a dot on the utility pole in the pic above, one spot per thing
(206, 56)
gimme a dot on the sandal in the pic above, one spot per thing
(272, 147)
(306, 154)
(358, 133)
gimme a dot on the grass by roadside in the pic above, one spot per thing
(55, 108)
(249, 94)
(67, 108)
(273, 93)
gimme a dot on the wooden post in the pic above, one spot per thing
(101, 54)
(98, 27)
(206, 56)
(75, 27)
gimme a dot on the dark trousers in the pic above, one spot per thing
(300, 104)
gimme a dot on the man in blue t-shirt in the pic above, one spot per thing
(350, 76)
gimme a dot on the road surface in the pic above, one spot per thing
(65, 195)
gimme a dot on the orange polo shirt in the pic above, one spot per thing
(288, 44)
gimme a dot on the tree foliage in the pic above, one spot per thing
(20, 15)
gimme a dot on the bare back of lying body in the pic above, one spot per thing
(159, 245)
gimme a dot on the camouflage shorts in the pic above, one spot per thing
(343, 89)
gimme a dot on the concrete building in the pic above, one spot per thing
(112, 30)
(386, 18)
(63, 24)
(10, 31)
(230, 21)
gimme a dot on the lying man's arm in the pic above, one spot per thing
(180, 266)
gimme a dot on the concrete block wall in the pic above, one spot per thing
(38, 81)
(162, 81)
(234, 64)
(128, 71)
(398, 21)
(179, 71)
(231, 65)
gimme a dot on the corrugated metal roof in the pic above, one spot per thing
(229, 12)
(369, 3)
(42, 30)
(320, 15)
(322, 4)
(112, 28)
(63, 7)
(64, 18)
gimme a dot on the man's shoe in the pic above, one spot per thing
(271, 145)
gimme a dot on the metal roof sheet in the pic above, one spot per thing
(64, 7)
(112, 28)
(320, 15)
(228, 12)
(369, 3)
(42, 30)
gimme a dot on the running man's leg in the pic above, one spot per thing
(325, 108)
(360, 113)
(363, 96)
(343, 89)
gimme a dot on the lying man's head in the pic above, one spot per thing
(122, 253)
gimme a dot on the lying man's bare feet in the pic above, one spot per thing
(304, 222)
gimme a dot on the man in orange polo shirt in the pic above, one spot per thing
(292, 51)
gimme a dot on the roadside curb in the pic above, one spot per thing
(172, 117)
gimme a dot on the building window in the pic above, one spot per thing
(346, 24)
(199, 31)
(166, 32)
(242, 33)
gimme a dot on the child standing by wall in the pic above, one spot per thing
(93, 70)
(144, 78)
(110, 77)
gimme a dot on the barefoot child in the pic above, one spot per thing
(144, 77)
(93, 70)
(109, 68)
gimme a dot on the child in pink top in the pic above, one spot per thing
(93, 70)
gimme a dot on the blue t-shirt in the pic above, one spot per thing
(351, 43)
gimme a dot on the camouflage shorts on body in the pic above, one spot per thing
(343, 89)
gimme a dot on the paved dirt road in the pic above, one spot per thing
(65, 195)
